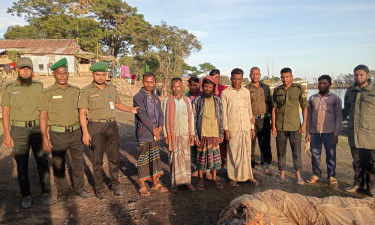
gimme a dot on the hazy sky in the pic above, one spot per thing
(312, 37)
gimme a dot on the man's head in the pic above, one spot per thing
(361, 75)
(193, 84)
(60, 71)
(208, 88)
(25, 71)
(215, 73)
(99, 72)
(324, 82)
(286, 76)
(236, 77)
(176, 84)
(149, 80)
(255, 74)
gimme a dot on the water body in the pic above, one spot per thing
(340, 92)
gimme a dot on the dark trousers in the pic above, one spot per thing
(263, 134)
(316, 149)
(365, 171)
(61, 143)
(295, 144)
(24, 138)
(105, 138)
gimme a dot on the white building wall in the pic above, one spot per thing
(43, 63)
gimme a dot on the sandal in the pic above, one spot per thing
(160, 188)
(173, 189)
(313, 179)
(218, 185)
(281, 179)
(255, 182)
(268, 172)
(200, 186)
(190, 187)
(208, 176)
(332, 181)
(300, 181)
(233, 183)
(143, 191)
(195, 174)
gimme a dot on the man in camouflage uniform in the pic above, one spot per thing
(359, 106)
(59, 114)
(19, 102)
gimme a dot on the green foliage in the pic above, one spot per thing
(112, 23)
(224, 80)
(206, 67)
(13, 55)
(245, 81)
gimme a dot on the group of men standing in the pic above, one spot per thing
(212, 126)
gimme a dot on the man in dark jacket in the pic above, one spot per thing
(148, 130)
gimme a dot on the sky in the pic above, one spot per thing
(311, 37)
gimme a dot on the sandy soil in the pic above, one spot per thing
(201, 207)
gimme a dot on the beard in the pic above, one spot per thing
(361, 83)
(25, 81)
(208, 94)
(99, 83)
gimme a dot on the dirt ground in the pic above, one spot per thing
(183, 207)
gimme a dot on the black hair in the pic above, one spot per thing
(214, 72)
(286, 70)
(362, 67)
(208, 81)
(254, 68)
(237, 71)
(175, 79)
(149, 74)
(327, 77)
(193, 79)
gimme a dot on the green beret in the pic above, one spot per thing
(61, 63)
(99, 66)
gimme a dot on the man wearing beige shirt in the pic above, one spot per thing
(238, 129)
(324, 120)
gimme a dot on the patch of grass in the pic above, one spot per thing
(343, 142)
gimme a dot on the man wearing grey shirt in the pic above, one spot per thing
(324, 120)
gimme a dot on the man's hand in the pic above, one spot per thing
(191, 140)
(227, 135)
(134, 110)
(334, 140)
(253, 120)
(8, 140)
(166, 140)
(86, 138)
(198, 143)
(274, 131)
(46, 142)
(221, 139)
(252, 133)
(302, 128)
(308, 137)
(156, 133)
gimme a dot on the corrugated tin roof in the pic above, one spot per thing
(42, 46)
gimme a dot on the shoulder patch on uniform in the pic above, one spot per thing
(304, 95)
(7, 84)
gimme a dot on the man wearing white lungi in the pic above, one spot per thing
(179, 135)
(238, 129)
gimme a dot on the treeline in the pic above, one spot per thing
(342, 80)
(108, 27)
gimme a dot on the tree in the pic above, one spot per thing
(170, 46)
(224, 80)
(206, 67)
(112, 23)
(245, 81)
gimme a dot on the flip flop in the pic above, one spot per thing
(281, 179)
(143, 191)
(218, 185)
(300, 181)
(173, 189)
(233, 183)
(200, 187)
(191, 187)
(208, 176)
(195, 174)
(255, 182)
(160, 188)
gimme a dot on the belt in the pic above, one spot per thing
(262, 116)
(65, 129)
(31, 123)
(103, 120)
